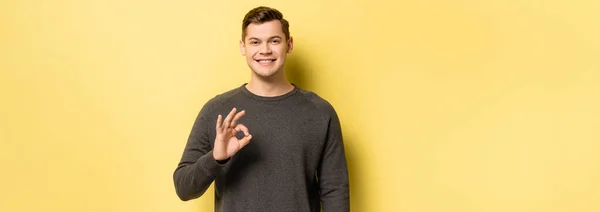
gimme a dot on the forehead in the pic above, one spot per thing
(264, 30)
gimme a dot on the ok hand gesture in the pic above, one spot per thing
(226, 144)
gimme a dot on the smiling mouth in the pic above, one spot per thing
(267, 61)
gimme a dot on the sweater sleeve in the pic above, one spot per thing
(332, 173)
(197, 168)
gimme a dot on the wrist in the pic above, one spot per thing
(221, 162)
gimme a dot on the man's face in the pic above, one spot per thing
(265, 48)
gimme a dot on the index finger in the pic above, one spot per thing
(243, 128)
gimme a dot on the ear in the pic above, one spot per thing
(242, 48)
(290, 44)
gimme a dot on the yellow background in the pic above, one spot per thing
(446, 105)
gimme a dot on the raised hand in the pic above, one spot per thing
(226, 144)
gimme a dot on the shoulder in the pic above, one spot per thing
(319, 102)
(219, 100)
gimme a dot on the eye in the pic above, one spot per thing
(276, 41)
(253, 42)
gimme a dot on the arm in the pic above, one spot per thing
(198, 166)
(332, 173)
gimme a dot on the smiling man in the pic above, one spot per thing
(268, 145)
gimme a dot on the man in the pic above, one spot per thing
(268, 145)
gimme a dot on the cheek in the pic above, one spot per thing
(250, 51)
(250, 54)
(280, 51)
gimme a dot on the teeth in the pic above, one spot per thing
(265, 61)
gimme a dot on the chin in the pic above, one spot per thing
(264, 73)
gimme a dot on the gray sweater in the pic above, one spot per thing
(294, 162)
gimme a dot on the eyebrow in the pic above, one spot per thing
(272, 37)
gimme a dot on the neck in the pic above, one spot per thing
(276, 86)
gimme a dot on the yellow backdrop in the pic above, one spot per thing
(459, 106)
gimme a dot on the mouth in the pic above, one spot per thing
(265, 61)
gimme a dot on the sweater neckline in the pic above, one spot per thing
(268, 98)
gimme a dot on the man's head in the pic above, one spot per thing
(265, 41)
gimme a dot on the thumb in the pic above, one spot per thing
(245, 141)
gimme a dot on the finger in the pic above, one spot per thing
(219, 121)
(245, 141)
(237, 117)
(241, 127)
(227, 122)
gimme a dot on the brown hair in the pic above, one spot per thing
(263, 14)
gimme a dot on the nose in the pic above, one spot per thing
(266, 49)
